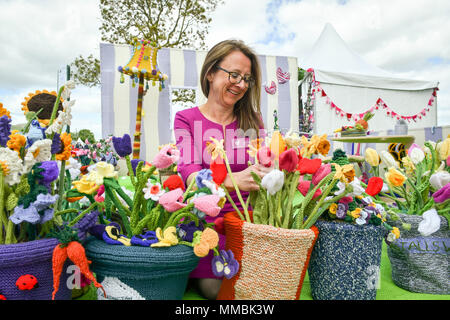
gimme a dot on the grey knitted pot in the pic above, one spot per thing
(421, 264)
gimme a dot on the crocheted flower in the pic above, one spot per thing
(64, 118)
(430, 223)
(323, 146)
(186, 231)
(35, 132)
(167, 156)
(204, 174)
(277, 143)
(40, 151)
(388, 159)
(219, 170)
(442, 194)
(38, 211)
(374, 186)
(321, 173)
(85, 186)
(122, 145)
(172, 200)
(266, 157)
(254, 146)
(56, 144)
(66, 147)
(273, 181)
(22, 214)
(225, 265)
(173, 182)
(101, 170)
(5, 130)
(363, 218)
(153, 191)
(292, 139)
(309, 166)
(341, 210)
(395, 177)
(204, 241)
(208, 204)
(50, 172)
(443, 149)
(144, 240)
(112, 235)
(73, 166)
(16, 141)
(333, 208)
(345, 174)
(167, 238)
(215, 148)
(371, 156)
(439, 179)
(11, 165)
(304, 186)
(288, 160)
(416, 155)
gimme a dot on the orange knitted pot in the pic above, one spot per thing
(273, 261)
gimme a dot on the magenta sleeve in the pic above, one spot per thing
(190, 161)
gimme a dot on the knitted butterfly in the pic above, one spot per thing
(282, 77)
(272, 89)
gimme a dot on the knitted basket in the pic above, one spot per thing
(273, 261)
(140, 273)
(33, 258)
(345, 262)
(421, 264)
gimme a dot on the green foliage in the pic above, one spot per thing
(86, 71)
(84, 134)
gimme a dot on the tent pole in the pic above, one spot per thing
(137, 133)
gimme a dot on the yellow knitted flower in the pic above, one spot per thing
(167, 238)
(16, 141)
(395, 177)
(215, 148)
(4, 112)
(356, 213)
(345, 174)
(86, 186)
(444, 149)
(408, 165)
(66, 140)
(396, 232)
(371, 156)
(333, 208)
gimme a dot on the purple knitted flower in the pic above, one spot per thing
(204, 174)
(225, 265)
(56, 144)
(144, 240)
(122, 145)
(5, 130)
(186, 231)
(134, 164)
(442, 194)
(50, 172)
(341, 211)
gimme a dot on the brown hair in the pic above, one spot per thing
(247, 110)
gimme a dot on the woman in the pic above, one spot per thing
(231, 81)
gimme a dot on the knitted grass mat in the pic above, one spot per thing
(387, 291)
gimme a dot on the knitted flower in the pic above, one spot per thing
(11, 166)
(430, 223)
(64, 118)
(443, 149)
(144, 240)
(100, 171)
(153, 191)
(167, 156)
(40, 151)
(225, 265)
(395, 177)
(37, 212)
(254, 146)
(215, 148)
(341, 210)
(273, 181)
(345, 174)
(309, 166)
(363, 218)
(288, 160)
(323, 146)
(439, 179)
(204, 174)
(442, 194)
(204, 241)
(208, 204)
(122, 145)
(167, 238)
(265, 156)
(416, 155)
(5, 130)
(371, 156)
(50, 172)
(186, 231)
(218, 170)
(292, 139)
(16, 141)
(73, 166)
(277, 144)
(388, 159)
(66, 147)
(173, 182)
(321, 173)
(304, 186)
(374, 186)
(171, 201)
(85, 186)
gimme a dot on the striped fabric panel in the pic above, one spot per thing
(119, 100)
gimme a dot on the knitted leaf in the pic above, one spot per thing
(23, 187)
(11, 202)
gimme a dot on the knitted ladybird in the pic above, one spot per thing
(2, 297)
(27, 282)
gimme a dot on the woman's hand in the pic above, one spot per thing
(244, 179)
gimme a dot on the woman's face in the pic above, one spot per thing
(222, 91)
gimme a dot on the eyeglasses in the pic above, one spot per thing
(235, 78)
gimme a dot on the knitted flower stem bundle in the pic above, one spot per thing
(230, 200)
(55, 108)
(292, 183)
(61, 185)
(120, 208)
(130, 170)
(5, 223)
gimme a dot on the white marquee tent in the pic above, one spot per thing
(344, 87)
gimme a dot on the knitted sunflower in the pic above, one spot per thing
(44, 100)
(4, 112)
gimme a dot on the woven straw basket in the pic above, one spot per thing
(421, 264)
(345, 262)
(140, 273)
(33, 258)
(273, 261)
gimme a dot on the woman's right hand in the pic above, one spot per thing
(244, 179)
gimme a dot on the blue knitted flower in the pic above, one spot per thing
(5, 130)
(204, 174)
(56, 144)
(50, 172)
(122, 145)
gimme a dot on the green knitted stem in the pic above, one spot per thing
(175, 215)
(227, 164)
(130, 170)
(191, 184)
(121, 210)
(61, 185)
(177, 220)
(292, 187)
(227, 194)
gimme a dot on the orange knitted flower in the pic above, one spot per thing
(4, 112)
(66, 140)
(16, 141)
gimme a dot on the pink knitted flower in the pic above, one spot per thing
(208, 204)
(321, 173)
(265, 156)
(172, 200)
(303, 187)
(166, 157)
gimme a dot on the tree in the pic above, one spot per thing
(169, 23)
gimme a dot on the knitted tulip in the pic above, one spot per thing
(374, 186)
(442, 194)
(265, 156)
(208, 204)
(122, 145)
(288, 160)
(172, 200)
(388, 159)
(167, 156)
(273, 181)
(219, 170)
(309, 166)
(439, 179)
(304, 186)
(371, 157)
(173, 182)
(416, 155)
(430, 223)
(321, 173)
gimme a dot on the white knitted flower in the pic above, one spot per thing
(12, 165)
(273, 181)
(64, 118)
(40, 151)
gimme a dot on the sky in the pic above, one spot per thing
(407, 38)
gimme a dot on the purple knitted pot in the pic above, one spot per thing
(34, 258)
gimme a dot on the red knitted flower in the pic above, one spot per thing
(173, 182)
(304, 186)
(309, 166)
(374, 186)
(219, 170)
(288, 160)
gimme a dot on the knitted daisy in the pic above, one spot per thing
(40, 151)
(153, 191)
(64, 118)
(11, 165)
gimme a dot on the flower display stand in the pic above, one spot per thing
(140, 273)
(421, 264)
(345, 261)
(273, 261)
(32, 258)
